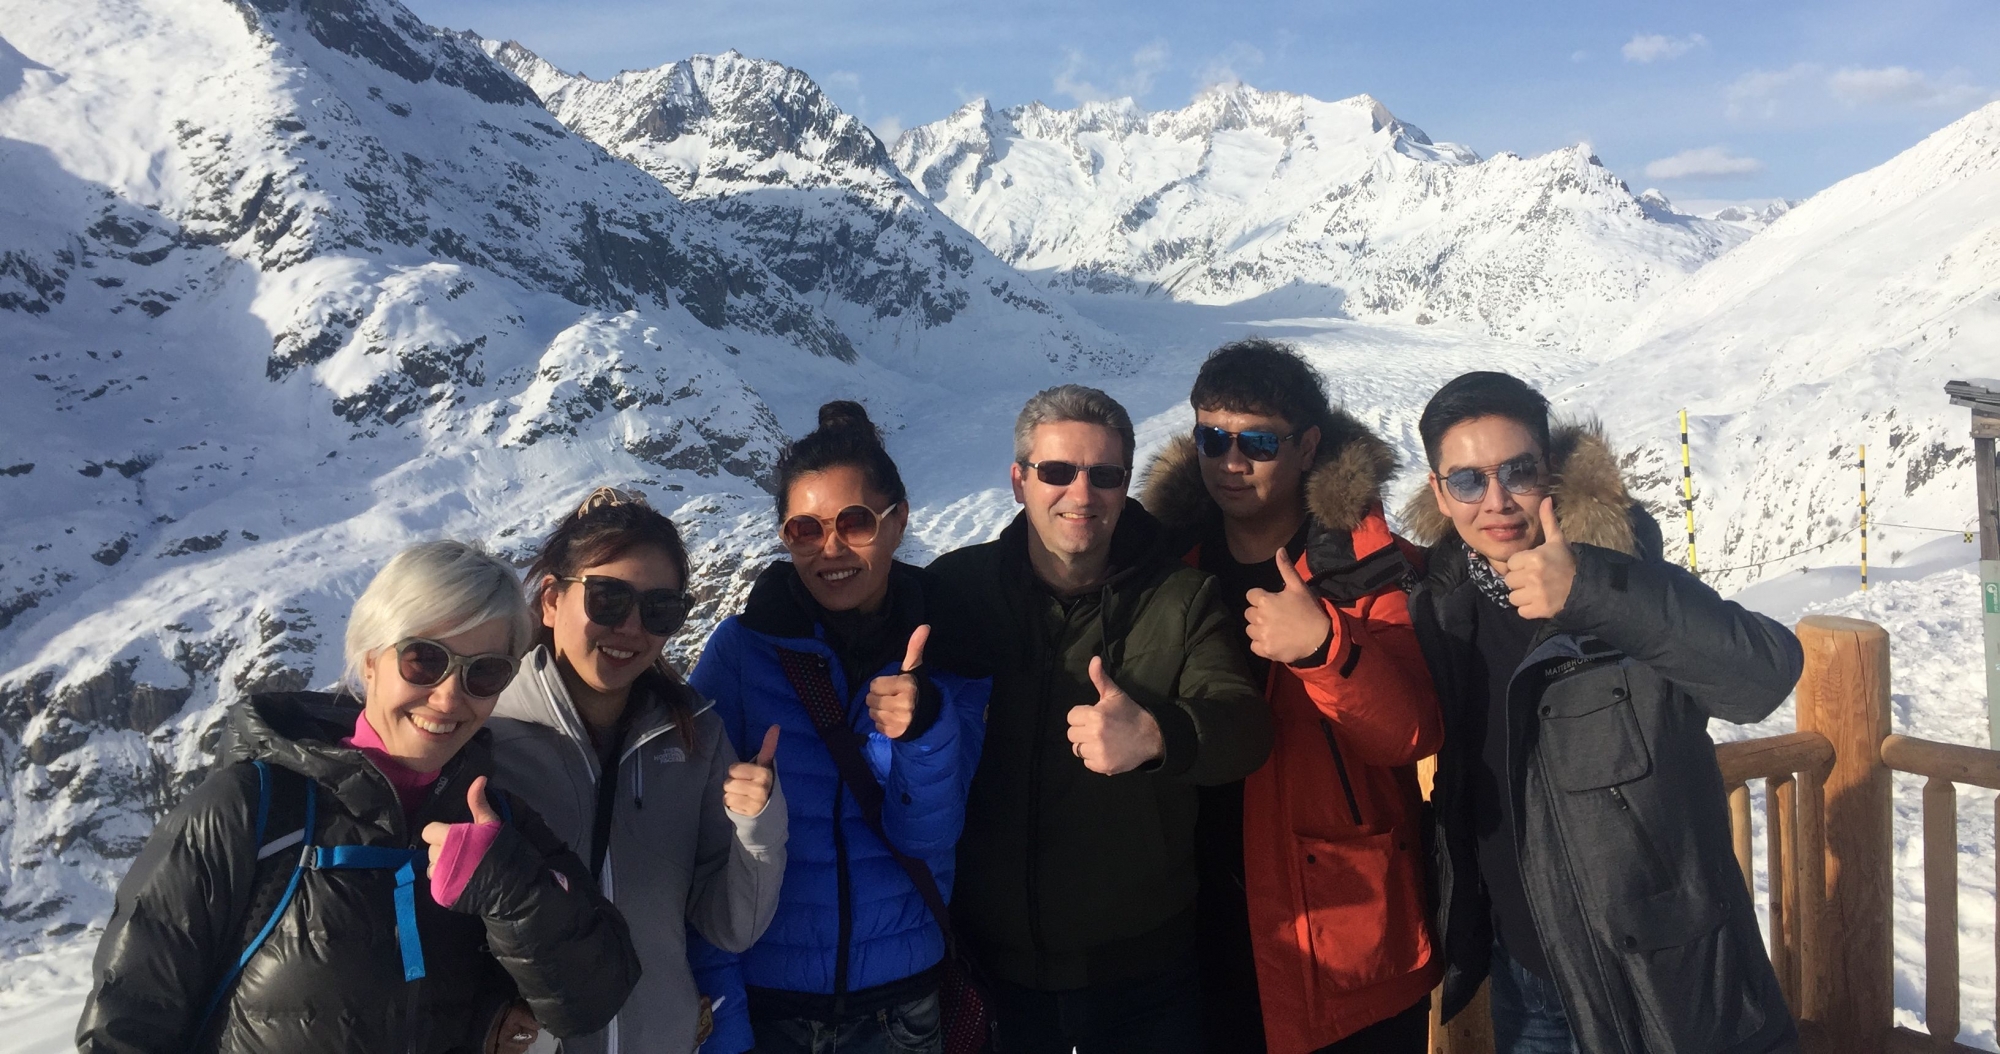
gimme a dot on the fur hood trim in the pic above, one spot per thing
(1346, 480)
(1593, 504)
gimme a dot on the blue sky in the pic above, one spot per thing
(1705, 100)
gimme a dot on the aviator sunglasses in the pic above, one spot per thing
(1520, 475)
(425, 663)
(606, 601)
(1063, 473)
(855, 526)
(1257, 446)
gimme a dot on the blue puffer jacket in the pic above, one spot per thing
(890, 934)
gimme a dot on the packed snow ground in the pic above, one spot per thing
(953, 448)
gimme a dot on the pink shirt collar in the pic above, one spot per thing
(412, 787)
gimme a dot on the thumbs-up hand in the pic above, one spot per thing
(1286, 626)
(1538, 580)
(435, 833)
(748, 787)
(892, 701)
(1114, 734)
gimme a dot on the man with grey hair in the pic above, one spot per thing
(1118, 691)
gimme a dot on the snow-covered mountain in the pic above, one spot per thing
(288, 284)
(1321, 207)
(1835, 327)
(779, 166)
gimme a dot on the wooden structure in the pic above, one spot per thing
(1830, 854)
(1982, 397)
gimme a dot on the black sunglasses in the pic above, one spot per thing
(1063, 473)
(1520, 475)
(1257, 446)
(608, 600)
(426, 664)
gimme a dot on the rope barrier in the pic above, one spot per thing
(1787, 556)
(1967, 535)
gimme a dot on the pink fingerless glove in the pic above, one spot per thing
(464, 847)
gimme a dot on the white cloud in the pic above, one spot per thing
(1069, 80)
(1147, 63)
(1229, 66)
(1708, 162)
(1579, 56)
(1759, 93)
(1809, 88)
(1653, 47)
(887, 129)
(1901, 86)
(1145, 66)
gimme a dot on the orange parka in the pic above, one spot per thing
(1332, 831)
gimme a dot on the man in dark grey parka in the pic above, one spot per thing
(1583, 857)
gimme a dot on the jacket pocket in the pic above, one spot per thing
(1700, 979)
(1365, 903)
(1590, 735)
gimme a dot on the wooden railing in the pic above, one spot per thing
(1944, 765)
(1830, 854)
(1793, 768)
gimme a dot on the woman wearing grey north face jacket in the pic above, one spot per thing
(632, 768)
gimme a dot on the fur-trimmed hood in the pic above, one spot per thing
(1352, 466)
(1593, 504)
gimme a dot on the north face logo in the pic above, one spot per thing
(669, 755)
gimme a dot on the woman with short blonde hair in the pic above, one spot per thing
(283, 904)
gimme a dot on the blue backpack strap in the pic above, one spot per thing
(263, 798)
(385, 858)
(228, 981)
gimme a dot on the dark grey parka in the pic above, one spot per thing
(1620, 813)
(529, 923)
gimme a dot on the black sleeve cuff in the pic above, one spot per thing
(1180, 743)
(1318, 658)
(930, 705)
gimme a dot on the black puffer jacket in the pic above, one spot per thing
(1621, 822)
(528, 925)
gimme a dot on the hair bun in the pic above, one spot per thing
(846, 415)
(609, 497)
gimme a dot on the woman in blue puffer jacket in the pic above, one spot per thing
(844, 640)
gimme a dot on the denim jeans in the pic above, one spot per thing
(1149, 1015)
(1528, 1015)
(915, 1027)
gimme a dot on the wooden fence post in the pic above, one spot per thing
(1848, 998)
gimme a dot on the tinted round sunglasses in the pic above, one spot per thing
(1519, 475)
(855, 526)
(1257, 446)
(607, 600)
(425, 663)
(1064, 473)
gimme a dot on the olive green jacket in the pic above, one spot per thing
(1067, 877)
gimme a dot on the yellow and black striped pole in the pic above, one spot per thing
(1687, 491)
(1864, 517)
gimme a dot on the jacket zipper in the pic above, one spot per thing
(1340, 766)
(1051, 659)
(844, 881)
(1639, 831)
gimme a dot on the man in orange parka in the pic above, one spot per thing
(1313, 910)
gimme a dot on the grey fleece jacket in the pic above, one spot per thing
(677, 856)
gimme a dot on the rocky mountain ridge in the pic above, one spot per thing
(1316, 207)
(775, 163)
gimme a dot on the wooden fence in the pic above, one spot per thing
(1830, 854)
